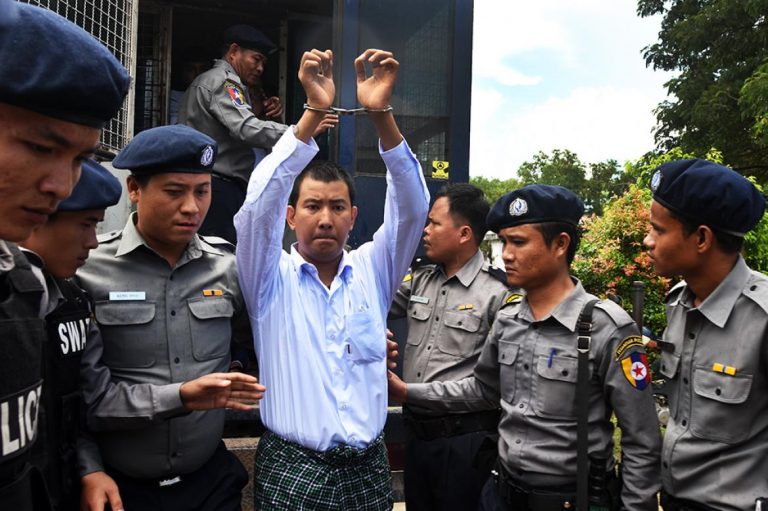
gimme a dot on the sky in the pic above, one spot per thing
(560, 74)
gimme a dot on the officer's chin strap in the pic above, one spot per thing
(584, 343)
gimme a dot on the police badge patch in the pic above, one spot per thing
(518, 207)
(635, 367)
(207, 157)
(237, 96)
(655, 180)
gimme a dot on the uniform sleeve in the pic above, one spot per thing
(114, 406)
(399, 306)
(405, 211)
(636, 414)
(88, 455)
(475, 393)
(261, 220)
(239, 120)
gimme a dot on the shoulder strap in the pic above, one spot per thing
(584, 343)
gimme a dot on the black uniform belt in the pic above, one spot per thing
(523, 497)
(430, 428)
(670, 503)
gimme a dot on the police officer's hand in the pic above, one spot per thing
(316, 76)
(99, 489)
(273, 108)
(398, 390)
(391, 350)
(375, 91)
(221, 390)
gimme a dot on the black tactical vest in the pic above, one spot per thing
(55, 452)
(22, 334)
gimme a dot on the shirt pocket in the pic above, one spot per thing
(128, 332)
(459, 338)
(669, 367)
(719, 411)
(507, 358)
(366, 338)
(420, 314)
(555, 386)
(210, 326)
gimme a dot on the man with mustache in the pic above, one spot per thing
(715, 346)
(319, 313)
(50, 121)
(450, 303)
(530, 366)
(168, 304)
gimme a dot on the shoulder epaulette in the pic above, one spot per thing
(498, 274)
(757, 290)
(419, 262)
(619, 316)
(218, 242)
(109, 236)
(512, 298)
(675, 291)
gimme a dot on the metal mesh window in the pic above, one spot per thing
(420, 34)
(151, 69)
(109, 21)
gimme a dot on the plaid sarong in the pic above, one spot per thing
(289, 477)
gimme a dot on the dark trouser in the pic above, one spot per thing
(227, 195)
(670, 503)
(439, 475)
(26, 493)
(216, 486)
(501, 493)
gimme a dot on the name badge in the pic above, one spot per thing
(420, 299)
(127, 295)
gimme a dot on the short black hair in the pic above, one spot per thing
(728, 243)
(467, 204)
(550, 230)
(141, 179)
(326, 172)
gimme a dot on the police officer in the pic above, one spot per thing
(168, 303)
(450, 305)
(715, 349)
(59, 247)
(217, 103)
(530, 365)
(50, 120)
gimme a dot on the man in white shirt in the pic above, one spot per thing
(319, 313)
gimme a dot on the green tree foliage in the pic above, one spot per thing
(720, 48)
(494, 188)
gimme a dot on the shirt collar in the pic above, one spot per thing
(131, 239)
(471, 268)
(344, 271)
(228, 69)
(6, 257)
(566, 313)
(717, 307)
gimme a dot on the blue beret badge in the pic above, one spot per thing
(207, 157)
(655, 180)
(518, 207)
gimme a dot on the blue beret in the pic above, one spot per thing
(96, 189)
(534, 204)
(710, 194)
(53, 67)
(174, 148)
(250, 38)
(8, 12)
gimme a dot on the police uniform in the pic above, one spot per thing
(217, 104)
(161, 326)
(448, 322)
(55, 76)
(530, 367)
(715, 452)
(67, 314)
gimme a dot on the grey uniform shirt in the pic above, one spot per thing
(159, 327)
(448, 319)
(217, 104)
(716, 444)
(531, 366)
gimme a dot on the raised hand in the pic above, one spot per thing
(238, 391)
(316, 76)
(375, 91)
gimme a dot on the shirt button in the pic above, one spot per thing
(691, 335)
(418, 375)
(518, 441)
(443, 292)
(343, 406)
(665, 464)
(429, 347)
(437, 318)
(526, 366)
(685, 380)
(521, 405)
(177, 360)
(535, 326)
(170, 278)
(333, 336)
(173, 313)
(352, 438)
(684, 422)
